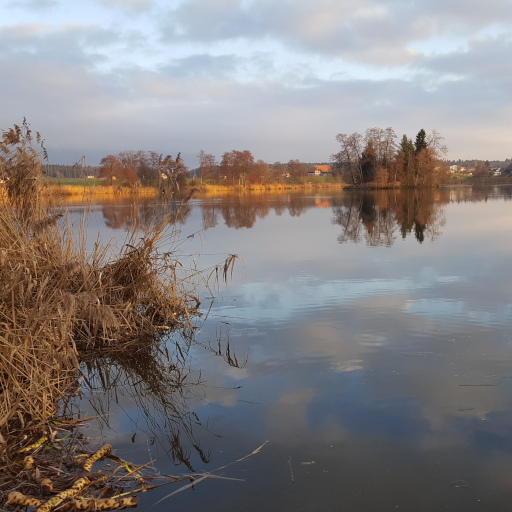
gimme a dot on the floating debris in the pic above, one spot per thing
(417, 354)
(479, 385)
(61, 477)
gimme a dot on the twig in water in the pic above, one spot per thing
(291, 469)
(203, 476)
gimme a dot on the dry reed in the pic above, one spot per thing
(103, 191)
(207, 190)
(55, 300)
(59, 474)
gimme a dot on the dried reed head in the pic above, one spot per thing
(21, 162)
(56, 301)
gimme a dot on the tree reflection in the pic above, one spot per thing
(242, 211)
(126, 215)
(347, 216)
(119, 216)
(237, 211)
(377, 217)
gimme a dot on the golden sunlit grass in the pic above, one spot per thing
(104, 191)
(212, 190)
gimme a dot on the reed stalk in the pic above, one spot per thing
(57, 301)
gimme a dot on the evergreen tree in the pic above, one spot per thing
(408, 150)
(407, 146)
(368, 163)
(421, 141)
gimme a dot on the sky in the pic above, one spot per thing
(280, 78)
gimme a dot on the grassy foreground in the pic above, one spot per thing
(57, 302)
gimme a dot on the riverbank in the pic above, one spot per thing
(279, 188)
(86, 192)
(149, 191)
(79, 192)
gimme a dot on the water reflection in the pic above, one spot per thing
(154, 385)
(377, 217)
(379, 371)
(126, 214)
(151, 384)
(243, 211)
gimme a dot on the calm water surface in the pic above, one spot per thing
(367, 338)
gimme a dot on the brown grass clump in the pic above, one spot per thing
(55, 300)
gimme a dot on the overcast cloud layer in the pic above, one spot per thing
(277, 77)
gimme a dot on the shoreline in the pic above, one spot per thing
(56, 190)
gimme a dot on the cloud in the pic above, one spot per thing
(376, 32)
(483, 58)
(34, 5)
(201, 65)
(72, 43)
(278, 78)
(128, 5)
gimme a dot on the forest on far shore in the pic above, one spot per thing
(375, 158)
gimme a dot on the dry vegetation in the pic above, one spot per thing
(103, 191)
(218, 190)
(57, 301)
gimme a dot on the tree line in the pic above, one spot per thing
(241, 168)
(148, 167)
(71, 171)
(376, 158)
(145, 167)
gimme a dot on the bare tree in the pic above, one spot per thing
(237, 166)
(207, 165)
(297, 170)
(348, 160)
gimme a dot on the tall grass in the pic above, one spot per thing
(56, 300)
(268, 188)
(85, 192)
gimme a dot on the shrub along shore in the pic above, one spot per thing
(58, 303)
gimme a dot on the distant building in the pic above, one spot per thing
(321, 170)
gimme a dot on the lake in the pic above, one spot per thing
(365, 341)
